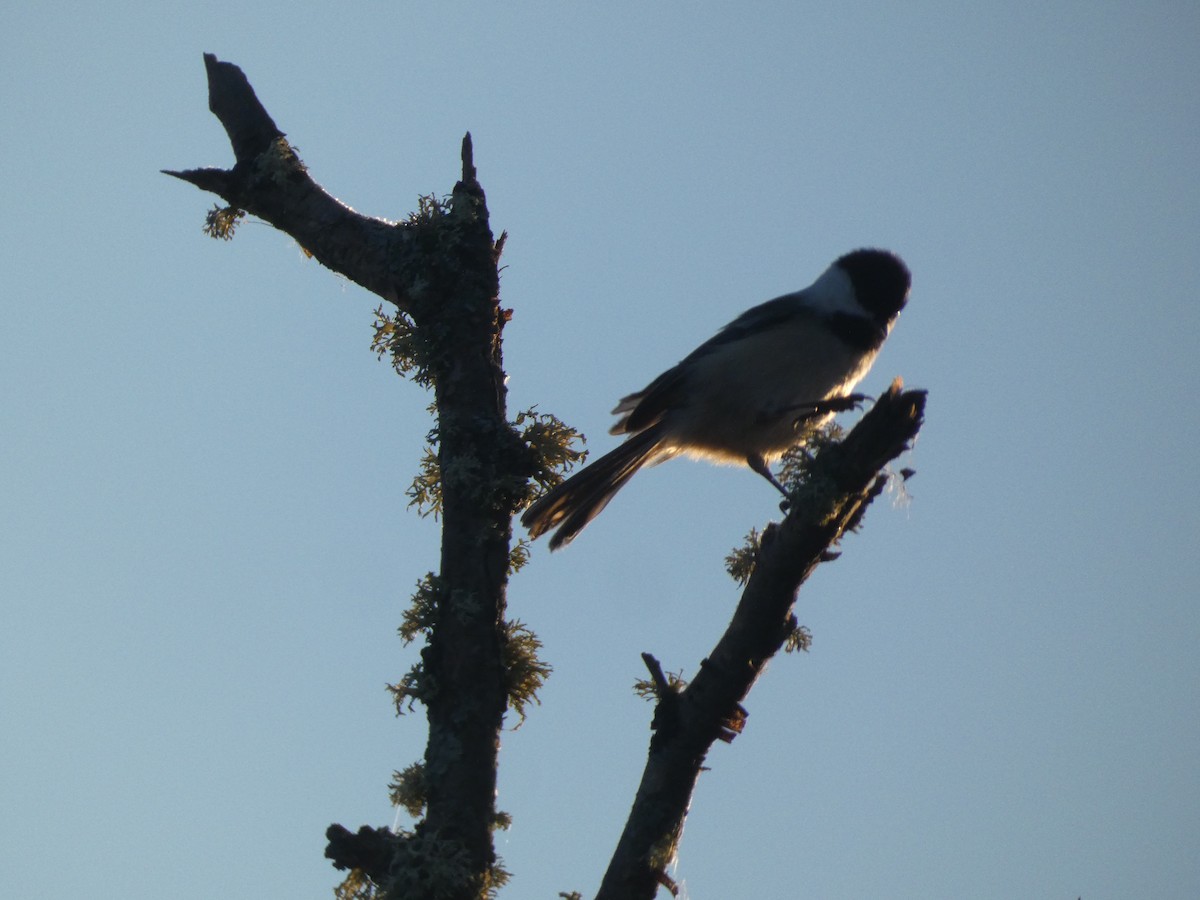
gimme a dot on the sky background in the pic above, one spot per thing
(205, 548)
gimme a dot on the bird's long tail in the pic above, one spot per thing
(571, 505)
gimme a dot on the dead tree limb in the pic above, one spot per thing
(847, 476)
(439, 268)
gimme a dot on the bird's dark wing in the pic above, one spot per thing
(763, 317)
(642, 409)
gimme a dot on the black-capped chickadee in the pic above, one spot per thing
(765, 382)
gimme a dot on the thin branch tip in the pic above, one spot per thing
(656, 674)
(468, 158)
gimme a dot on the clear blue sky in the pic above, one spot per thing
(205, 549)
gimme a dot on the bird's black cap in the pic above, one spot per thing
(881, 281)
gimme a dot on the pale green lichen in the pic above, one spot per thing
(221, 221)
(524, 671)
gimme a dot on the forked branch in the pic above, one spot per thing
(270, 181)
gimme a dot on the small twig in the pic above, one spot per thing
(662, 687)
(468, 159)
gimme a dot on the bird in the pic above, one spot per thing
(761, 385)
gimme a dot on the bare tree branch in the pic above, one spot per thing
(440, 268)
(847, 477)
